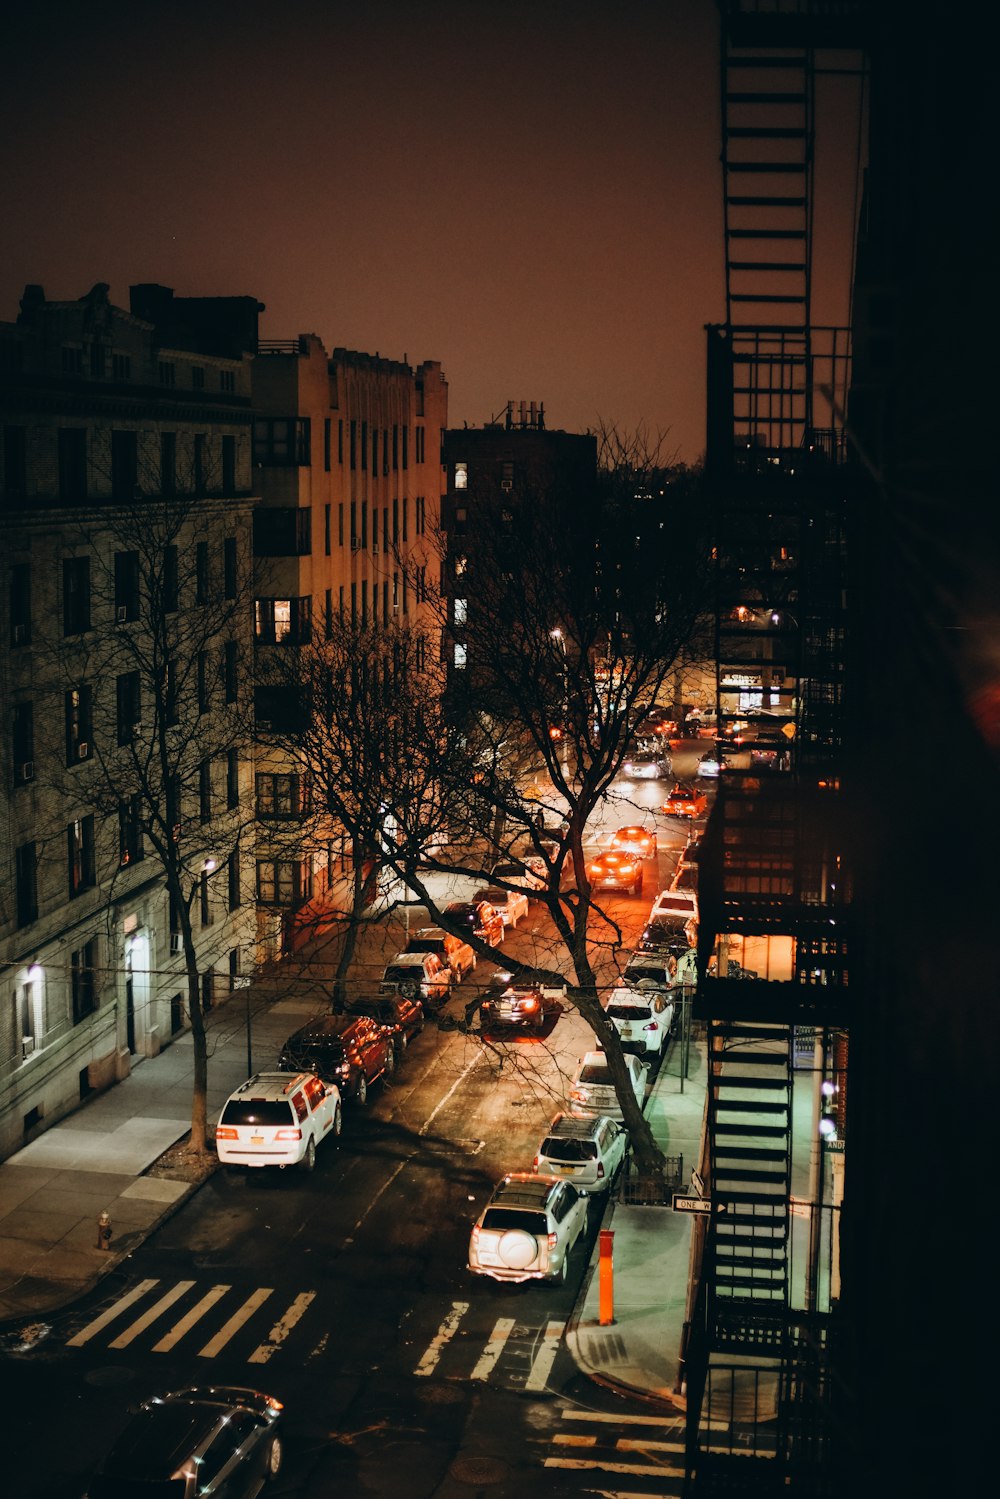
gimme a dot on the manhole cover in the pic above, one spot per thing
(479, 1470)
(106, 1378)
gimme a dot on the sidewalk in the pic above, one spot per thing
(639, 1352)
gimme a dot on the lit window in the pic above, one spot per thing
(461, 611)
(460, 657)
(460, 565)
(282, 619)
(461, 476)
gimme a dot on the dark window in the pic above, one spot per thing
(71, 361)
(354, 525)
(364, 525)
(130, 849)
(98, 361)
(229, 567)
(204, 686)
(327, 424)
(233, 870)
(83, 980)
(121, 366)
(229, 465)
(15, 461)
(206, 909)
(126, 586)
(23, 743)
(72, 463)
(168, 462)
(205, 790)
(364, 445)
(303, 441)
(281, 795)
(340, 441)
(167, 372)
(283, 882)
(170, 580)
(201, 573)
(340, 525)
(374, 450)
(200, 462)
(173, 808)
(129, 706)
(232, 779)
(395, 521)
(329, 613)
(26, 875)
(80, 854)
(385, 450)
(76, 595)
(170, 693)
(281, 441)
(364, 601)
(231, 671)
(395, 445)
(279, 531)
(79, 726)
(124, 466)
(406, 518)
(326, 530)
(406, 446)
(197, 377)
(20, 603)
(354, 444)
(227, 381)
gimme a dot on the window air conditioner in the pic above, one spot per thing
(27, 770)
(176, 942)
(506, 485)
(121, 613)
(355, 543)
(83, 750)
(27, 1045)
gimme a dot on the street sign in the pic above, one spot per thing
(698, 1184)
(788, 729)
(682, 1204)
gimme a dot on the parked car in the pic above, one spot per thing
(685, 877)
(587, 1152)
(592, 1091)
(680, 903)
(526, 1000)
(528, 1228)
(419, 975)
(512, 904)
(276, 1120)
(399, 1011)
(667, 935)
(635, 840)
(685, 801)
(527, 874)
(647, 765)
(453, 951)
(657, 969)
(643, 1016)
(217, 1440)
(551, 984)
(709, 768)
(691, 852)
(477, 917)
(352, 1051)
(615, 870)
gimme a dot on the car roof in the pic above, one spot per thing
(271, 1085)
(565, 1127)
(323, 1027)
(427, 933)
(524, 1189)
(407, 960)
(158, 1439)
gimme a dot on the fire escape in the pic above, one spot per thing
(774, 889)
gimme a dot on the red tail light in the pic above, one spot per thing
(223, 1132)
(600, 1169)
(534, 1164)
(553, 1241)
(288, 1134)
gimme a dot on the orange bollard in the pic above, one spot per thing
(606, 1276)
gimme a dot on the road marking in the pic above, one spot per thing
(444, 1334)
(545, 1357)
(625, 1445)
(279, 1332)
(170, 1339)
(574, 1439)
(584, 1464)
(141, 1323)
(497, 1342)
(664, 1425)
(122, 1305)
(235, 1322)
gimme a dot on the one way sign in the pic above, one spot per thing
(682, 1204)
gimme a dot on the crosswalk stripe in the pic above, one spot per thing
(619, 1420)
(235, 1322)
(624, 1444)
(279, 1332)
(443, 1335)
(587, 1465)
(491, 1353)
(170, 1339)
(574, 1439)
(149, 1317)
(545, 1357)
(101, 1322)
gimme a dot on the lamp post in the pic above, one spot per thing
(558, 636)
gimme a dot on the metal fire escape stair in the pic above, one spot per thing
(750, 1126)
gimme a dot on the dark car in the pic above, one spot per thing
(665, 934)
(352, 1051)
(215, 1440)
(527, 1000)
(477, 917)
(399, 1012)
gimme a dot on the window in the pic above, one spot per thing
(364, 445)
(72, 463)
(205, 790)
(283, 882)
(461, 611)
(234, 968)
(460, 657)
(406, 446)
(26, 1026)
(303, 441)
(229, 568)
(340, 441)
(385, 528)
(169, 592)
(229, 465)
(385, 450)
(167, 372)
(374, 451)
(126, 586)
(71, 361)
(76, 595)
(340, 525)
(124, 466)
(83, 980)
(354, 444)
(204, 690)
(418, 439)
(364, 601)
(327, 426)
(329, 613)
(354, 525)
(170, 693)
(130, 849)
(197, 377)
(15, 461)
(283, 621)
(420, 585)
(173, 808)
(326, 529)
(364, 525)
(232, 779)
(395, 445)
(227, 382)
(200, 462)
(20, 603)
(168, 462)
(281, 441)
(395, 521)
(406, 518)
(281, 795)
(420, 515)
(121, 366)
(203, 901)
(129, 706)
(23, 743)
(230, 671)
(461, 476)
(98, 361)
(26, 879)
(201, 573)
(79, 726)
(80, 855)
(233, 872)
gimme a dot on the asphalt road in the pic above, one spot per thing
(345, 1294)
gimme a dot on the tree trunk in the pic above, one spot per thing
(359, 892)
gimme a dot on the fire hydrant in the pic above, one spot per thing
(104, 1230)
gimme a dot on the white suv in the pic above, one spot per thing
(642, 1015)
(275, 1119)
(587, 1152)
(527, 1229)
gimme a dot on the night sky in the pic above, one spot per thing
(529, 193)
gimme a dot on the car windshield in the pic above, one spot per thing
(424, 944)
(259, 1111)
(397, 972)
(502, 1219)
(568, 1151)
(637, 972)
(594, 1072)
(629, 1012)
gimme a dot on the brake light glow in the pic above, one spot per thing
(579, 1094)
(553, 1241)
(288, 1134)
(600, 1169)
(534, 1164)
(223, 1132)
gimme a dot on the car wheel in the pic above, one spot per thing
(308, 1161)
(389, 1065)
(275, 1456)
(338, 1120)
(563, 1275)
(402, 1043)
(361, 1091)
